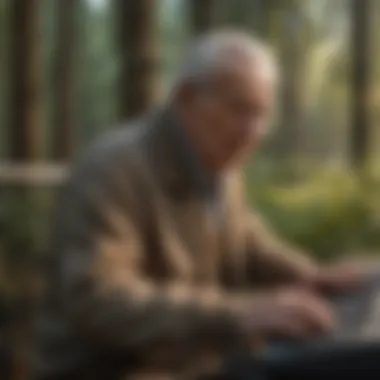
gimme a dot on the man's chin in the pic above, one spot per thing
(239, 160)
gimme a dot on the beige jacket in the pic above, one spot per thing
(142, 271)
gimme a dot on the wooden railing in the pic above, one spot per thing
(13, 362)
(33, 174)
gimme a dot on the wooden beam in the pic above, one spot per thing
(39, 174)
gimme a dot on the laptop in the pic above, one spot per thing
(358, 312)
(351, 350)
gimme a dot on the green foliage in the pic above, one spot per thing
(329, 214)
(24, 222)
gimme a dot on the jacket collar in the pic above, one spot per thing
(174, 159)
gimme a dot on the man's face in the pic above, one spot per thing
(231, 116)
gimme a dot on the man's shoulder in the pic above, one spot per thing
(120, 139)
(113, 149)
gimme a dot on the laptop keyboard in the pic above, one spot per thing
(358, 313)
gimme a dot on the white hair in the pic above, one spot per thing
(217, 51)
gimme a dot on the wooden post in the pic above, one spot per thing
(65, 85)
(138, 42)
(27, 119)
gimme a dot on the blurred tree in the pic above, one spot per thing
(203, 15)
(255, 16)
(65, 80)
(27, 119)
(327, 79)
(27, 103)
(26, 131)
(26, 128)
(98, 76)
(293, 67)
(137, 37)
(268, 16)
(285, 27)
(174, 37)
(3, 75)
(376, 76)
(361, 133)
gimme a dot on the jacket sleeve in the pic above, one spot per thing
(272, 260)
(109, 296)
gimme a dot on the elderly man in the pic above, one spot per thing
(158, 266)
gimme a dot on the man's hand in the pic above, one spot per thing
(293, 314)
(342, 277)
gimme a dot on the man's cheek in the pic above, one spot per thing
(257, 135)
(256, 142)
(234, 147)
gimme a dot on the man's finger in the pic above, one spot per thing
(318, 314)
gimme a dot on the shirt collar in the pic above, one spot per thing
(207, 186)
(174, 160)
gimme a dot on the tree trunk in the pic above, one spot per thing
(65, 83)
(137, 37)
(27, 119)
(3, 75)
(361, 136)
(292, 111)
(270, 13)
(203, 16)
